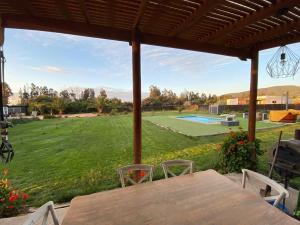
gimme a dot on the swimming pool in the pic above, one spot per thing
(200, 119)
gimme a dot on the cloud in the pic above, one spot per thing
(49, 69)
(184, 61)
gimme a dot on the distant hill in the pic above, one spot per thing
(275, 90)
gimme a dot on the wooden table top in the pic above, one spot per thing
(200, 198)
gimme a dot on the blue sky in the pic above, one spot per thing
(60, 61)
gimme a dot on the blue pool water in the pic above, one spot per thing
(200, 119)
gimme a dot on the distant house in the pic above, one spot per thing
(13, 110)
(14, 99)
(232, 101)
(296, 100)
(243, 101)
(263, 100)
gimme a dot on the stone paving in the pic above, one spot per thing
(60, 210)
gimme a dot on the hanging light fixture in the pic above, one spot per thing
(284, 63)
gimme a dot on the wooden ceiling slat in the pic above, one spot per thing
(252, 18)
(195, 17)
(239, 7)
(227, 13)
(250, 4)
(156, 14)
(233, 10)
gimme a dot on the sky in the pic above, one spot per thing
(60, 61)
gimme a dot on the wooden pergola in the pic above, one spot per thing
(238, 28)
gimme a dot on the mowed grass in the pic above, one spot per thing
(200, 129)
(58, 159)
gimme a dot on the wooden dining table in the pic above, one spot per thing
(205, 197)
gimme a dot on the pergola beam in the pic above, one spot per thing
(43, 24)
(193, 46)
(137, 100)
(84, 11)
(195, 17)
(261, 14)
(253, 102)
(140, 13)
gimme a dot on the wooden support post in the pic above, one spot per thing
(252, 101)
(137, 115)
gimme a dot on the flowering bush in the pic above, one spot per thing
(235, 152)
(12, 202)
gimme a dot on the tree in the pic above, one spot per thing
(88, 94)
(103, 93)
(154, 92)
(34, 91)
(6, 93)
(64, 94)
(101, 101)
(59, 104)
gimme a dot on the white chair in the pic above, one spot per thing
(282, 192)
(127, 173)
(43, 212)
(186, 164)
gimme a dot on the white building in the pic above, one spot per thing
(272, 100)
(232, 101)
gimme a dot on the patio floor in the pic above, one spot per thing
(60, 210)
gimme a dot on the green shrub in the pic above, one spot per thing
(22, 120)
(113, 112)
(235, 152)
(49, 116)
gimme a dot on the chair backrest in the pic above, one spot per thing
(282, 192)
(128, 173)
(43, 212)
(186, 164)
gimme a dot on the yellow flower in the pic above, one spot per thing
(5, 172)
(4, 183)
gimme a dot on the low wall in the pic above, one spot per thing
(260, 108)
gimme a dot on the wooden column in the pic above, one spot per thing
(137, 114)
(252, 101)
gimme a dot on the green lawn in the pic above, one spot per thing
(57, 159)
(190, 128)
